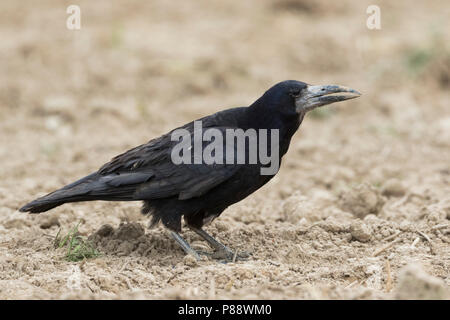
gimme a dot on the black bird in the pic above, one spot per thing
(198, 191)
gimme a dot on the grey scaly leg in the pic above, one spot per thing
(222, 251)
(184, 245)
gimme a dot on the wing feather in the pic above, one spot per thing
(150, 169)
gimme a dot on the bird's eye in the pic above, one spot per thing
(295, 92)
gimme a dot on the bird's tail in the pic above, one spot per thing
(110, 187)
(74, 192)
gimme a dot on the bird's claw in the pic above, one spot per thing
(226, 254)
(229, 255)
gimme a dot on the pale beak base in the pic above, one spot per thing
(316, 96)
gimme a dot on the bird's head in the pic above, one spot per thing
(299, 97)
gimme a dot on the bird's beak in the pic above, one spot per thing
(316, 96)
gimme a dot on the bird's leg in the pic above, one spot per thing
(186, 247)
(221, 250)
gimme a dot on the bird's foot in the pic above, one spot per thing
(226, 255)
(229, 255)
(222, 252)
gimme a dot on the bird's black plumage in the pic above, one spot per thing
(199, 192)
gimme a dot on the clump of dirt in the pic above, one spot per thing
(296, 209)
(361, 200)
(127, 238)
(49, 222)
(393, 188)
(415, 283)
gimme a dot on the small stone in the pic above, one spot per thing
(360, 231)
(190, 261)
(393, 188)
(415, 283)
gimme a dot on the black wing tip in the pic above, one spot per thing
(29, 208)
(26, 207)
(37, 207)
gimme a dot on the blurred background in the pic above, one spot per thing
(72, 99)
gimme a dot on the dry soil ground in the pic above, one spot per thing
(360, 208)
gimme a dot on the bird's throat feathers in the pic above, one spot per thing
(264, 116)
